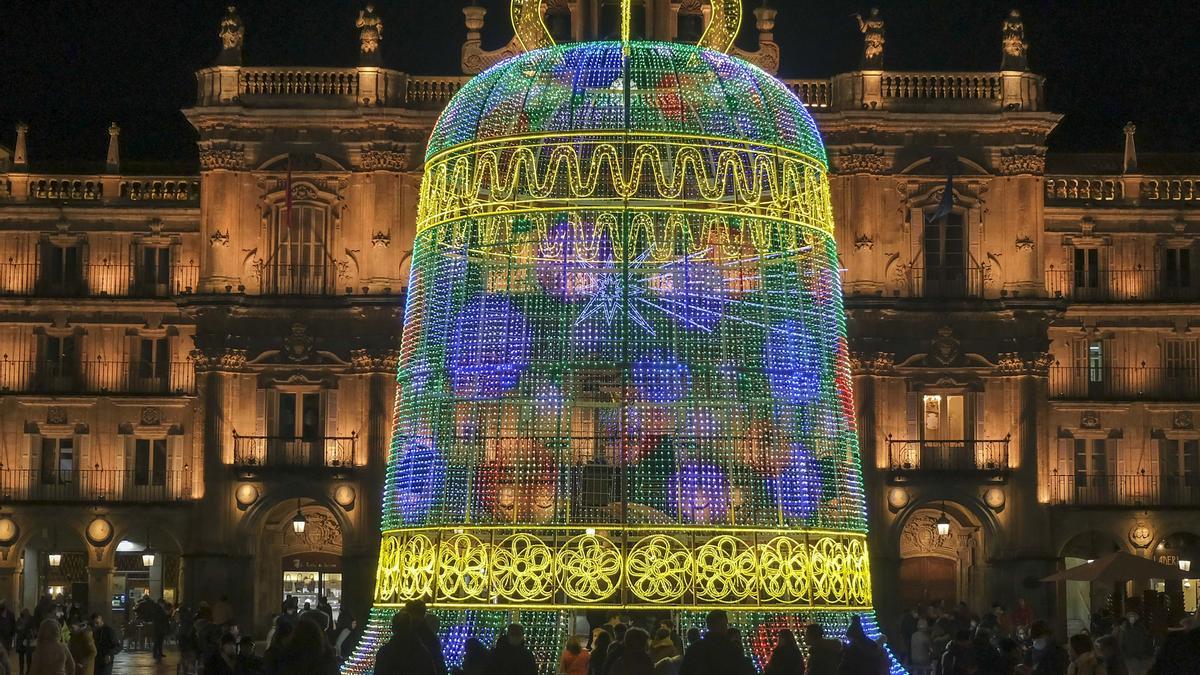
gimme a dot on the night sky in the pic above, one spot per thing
(69, 67)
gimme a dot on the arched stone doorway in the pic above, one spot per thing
(54, 562)
(936, 568)
(304, 564)
(132, 578)
(1081, 598)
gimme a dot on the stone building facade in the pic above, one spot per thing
(189, 361)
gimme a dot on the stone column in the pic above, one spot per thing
(99, 587)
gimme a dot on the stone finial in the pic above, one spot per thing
(20, 157)
(872, 30)
(1014, 44)
(113, 163)
(1129, 163)
(370, 34)
(765, 14)
(474, 15)
(232, 33)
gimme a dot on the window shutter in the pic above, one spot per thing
(980, 429)
(331, 410)
(84, 458)
(914, 416)
(260, 413)
(1066, 457)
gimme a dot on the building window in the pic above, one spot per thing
(154, 360)
(152, 277)
(301, 263)
(1095, 361)
(945, 257)
(1087, 268)
(57, 461)
(150, 461)
(298, 416)
(58, 363)
(943, 417)
(1177, 268)
(62, 269)
(1180, 461)
(1091, 462)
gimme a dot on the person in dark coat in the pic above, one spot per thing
(1179, 654)
(108, 645)
(403, 654)
(862, 656)
(786, 658)
(715, 653)
(306, 652)
(426, 634)
(511, 656)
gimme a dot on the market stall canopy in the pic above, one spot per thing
(1119, 566)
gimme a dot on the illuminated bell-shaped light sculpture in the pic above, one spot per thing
(624, 381)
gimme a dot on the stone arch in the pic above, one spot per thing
(941, 568)
(43, 532)
(966, 167)
(283, 561)
(1081, 598)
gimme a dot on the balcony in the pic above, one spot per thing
(96, 485)
(1124, 383)
(1132, 285)
(944, 282)
(941, 457)
(331, 452)
(1126, 490)
(96, 280)
(287, 279)
(97, 376)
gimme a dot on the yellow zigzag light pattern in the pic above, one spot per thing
(684, 174)
(662, 235)
(543, 568)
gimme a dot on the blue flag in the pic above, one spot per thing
(946, 206)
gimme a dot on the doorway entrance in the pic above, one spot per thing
(308, 576)
(928, 579)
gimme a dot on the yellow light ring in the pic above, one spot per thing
(529, 25)
(714, 236)
(545, 566)
(659, 569)
(726, 570)
(589, 568)
(740, 180)
(724, 26)
(497, 169)
(523, 569)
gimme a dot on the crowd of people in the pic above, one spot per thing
(617, 648)
(936, 640)
(56, 638)
(301, 641)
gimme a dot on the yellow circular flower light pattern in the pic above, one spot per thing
(490, 567)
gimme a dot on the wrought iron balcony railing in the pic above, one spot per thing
(944, 282)
(96, 280)
(335, 452)
(1124, 490)
(96, 485)
(1132, 285)
(967, 455)
(98, 376)
(1124, 383)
